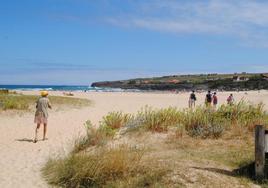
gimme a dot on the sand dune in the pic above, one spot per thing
(21, 160)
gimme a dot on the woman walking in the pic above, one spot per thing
(41, 114)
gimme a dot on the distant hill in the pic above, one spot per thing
(229, 82)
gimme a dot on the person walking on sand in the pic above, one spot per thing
(230, 99)
(215, 100)
(41, 114)
(192, 100)
(208, 99)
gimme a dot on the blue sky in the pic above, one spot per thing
(82, 41)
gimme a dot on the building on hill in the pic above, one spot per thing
(240, 79)
(265, 76)
(174, 81)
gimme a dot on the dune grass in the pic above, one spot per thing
(14, 101)
(199, 122)
(197, 138)
(94, 137)
(119, 166)
(202, 122)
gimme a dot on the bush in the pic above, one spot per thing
(97, 169)
(93, 137)
(203, 122)
(159, 120)
(115, 120)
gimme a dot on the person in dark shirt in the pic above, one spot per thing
(208, 99)
(192, 100)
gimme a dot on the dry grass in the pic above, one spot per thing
(119, 166)
(159, 120)
(175, 157)
(13, 101)
(199, 122)
(93, 137)
(115, 120)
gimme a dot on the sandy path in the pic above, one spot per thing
(21, 160)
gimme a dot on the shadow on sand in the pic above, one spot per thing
(24, 140)
(247, 171)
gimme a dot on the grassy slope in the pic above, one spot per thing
(155, 148)
(202, 81)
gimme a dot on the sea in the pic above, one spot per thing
(59, 88)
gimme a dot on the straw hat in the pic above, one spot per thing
(44, 93)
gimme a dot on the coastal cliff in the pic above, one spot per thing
(229, 82)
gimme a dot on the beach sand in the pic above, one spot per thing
(21, 160)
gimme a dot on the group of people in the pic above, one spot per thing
(210, 99)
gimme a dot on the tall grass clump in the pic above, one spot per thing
(243, 114)
(108, 126)
(208, 122)
(93, 137)
(96, 169)
(115, 120)
(158, 120)
(203, 122)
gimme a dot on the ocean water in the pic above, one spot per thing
(56, 88)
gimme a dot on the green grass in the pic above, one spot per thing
(159, 120)
(26, 102)
(115, 120)
(199, 122)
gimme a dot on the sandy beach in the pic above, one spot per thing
(21, 160)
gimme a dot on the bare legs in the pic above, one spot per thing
(45, 131)
(191, 104)
(36, 132)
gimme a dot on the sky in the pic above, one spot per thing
(77, 42)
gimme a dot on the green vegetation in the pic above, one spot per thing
(200, 139)
(159, 120)
(201, 121)
(93, 137)
(14, 101)
(104, 168)
(242, 81)
(115, 120)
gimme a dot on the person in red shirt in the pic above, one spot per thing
(230, 99)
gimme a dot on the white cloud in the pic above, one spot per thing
(243, 19)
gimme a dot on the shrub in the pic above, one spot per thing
(97, 169)
(159, 120)
(203, 122)
(115, 120)
(243, 114)
(93, 137)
